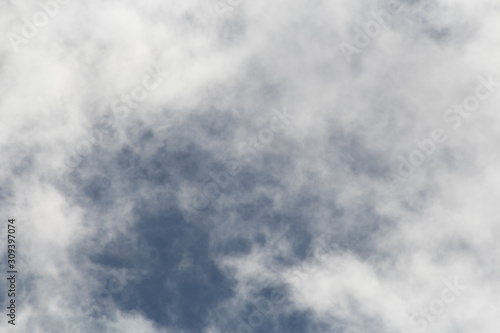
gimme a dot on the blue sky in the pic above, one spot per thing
(241, 166)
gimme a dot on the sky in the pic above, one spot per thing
(246, 166)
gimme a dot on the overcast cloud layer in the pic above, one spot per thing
(251, 166)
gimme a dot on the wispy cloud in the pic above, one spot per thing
(336, 163)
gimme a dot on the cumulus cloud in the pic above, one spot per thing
(217, 166)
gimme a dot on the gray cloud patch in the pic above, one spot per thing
(236, 166)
